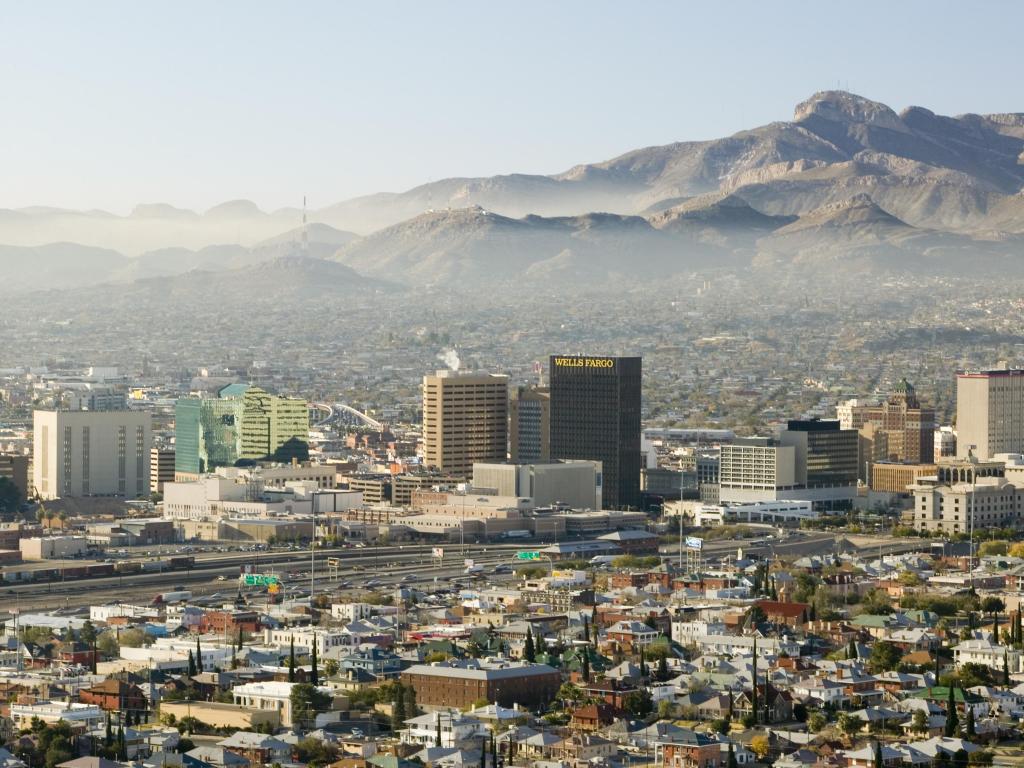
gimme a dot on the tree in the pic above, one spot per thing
(730, 761)
(410, 701)
(718, 725)
(331, 668)
(586, 630)
(585, 668)
(239, 639)
(529, 652)
(398, 713)
(314, 675)
(919, 722)
(849, 725)
(952, 721)
(134, 638)
(191, 664)
(753, 694)
(199, 656)
(306, 701)
(291, 661)
(760, 746)
(992, 605)
(851, 649)
(638, 703)
(878, 754)
(108, 738)
(1006, 670)
(87, 634)
(107, 644)
(755, 617)
(663, 669)
(816, 721)
(884, 657)
(969, 729)
(996, 547)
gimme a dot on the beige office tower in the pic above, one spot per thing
(529, 425)
(989, 412)
(465, 420)
(91, 453)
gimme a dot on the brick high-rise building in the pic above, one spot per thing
(465, 420)
(595, 415)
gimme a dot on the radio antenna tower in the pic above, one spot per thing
(305, 229)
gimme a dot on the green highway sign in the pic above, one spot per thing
(527, 555)
(260, 579)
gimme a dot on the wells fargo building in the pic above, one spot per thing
(595, 415)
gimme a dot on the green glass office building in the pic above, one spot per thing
(242, 424)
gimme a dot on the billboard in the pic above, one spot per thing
(437, 552)
(692, 542)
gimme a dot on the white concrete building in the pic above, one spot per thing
(351, 611)
(790, 511)
(457, 729)
(984, 651)
(270, 695)
(86, 716)
(91, 453)
(328, 644)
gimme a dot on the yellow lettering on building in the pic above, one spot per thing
(584, 362)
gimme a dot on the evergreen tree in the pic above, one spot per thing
(410, 701)
(291, 660)
(529, 652)
(878, 754)
(542, 646)
(731, 760)
(586, 630)
(995, 627)
(585, 670)
(191, 664)
(952, 721)
(851, 649)
(1019, 628)
(483, 752)
(643, 666)
(731, 705)
(812, 614)
(494, 751)
(1006, 670)
(108, 738)
(663, 668)
(234, 661)
(969, 729)
(199, 656)
(314, 676)
(92, 662)
(437, 736)
(398, 713)
(239, 643)
(753, 695)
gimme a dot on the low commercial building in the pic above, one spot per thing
(576, 484)
(80, 716)
(218, 715)
(965, 489)
(460, 683)
(52, 547)
(757, 512)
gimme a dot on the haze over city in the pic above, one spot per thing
(573, 385)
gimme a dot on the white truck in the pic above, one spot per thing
(179, 596)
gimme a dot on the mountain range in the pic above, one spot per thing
(847, 182)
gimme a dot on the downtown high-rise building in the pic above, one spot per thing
(465, 420)
(529, 425)
(989, 412)
(595, 416)
(91, 453)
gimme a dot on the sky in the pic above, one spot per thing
(107, 104)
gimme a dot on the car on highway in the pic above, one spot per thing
(410, 577)
(222, 577)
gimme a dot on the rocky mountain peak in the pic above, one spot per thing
(844, 107)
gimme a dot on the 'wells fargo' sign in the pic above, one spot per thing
(584, 362)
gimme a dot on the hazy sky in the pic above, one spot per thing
(106, 104)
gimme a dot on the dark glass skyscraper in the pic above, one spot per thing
(595, 415)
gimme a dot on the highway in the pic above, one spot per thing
(385, 564)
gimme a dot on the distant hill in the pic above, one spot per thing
(474, 246)
(275, 283)
(56, 265)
